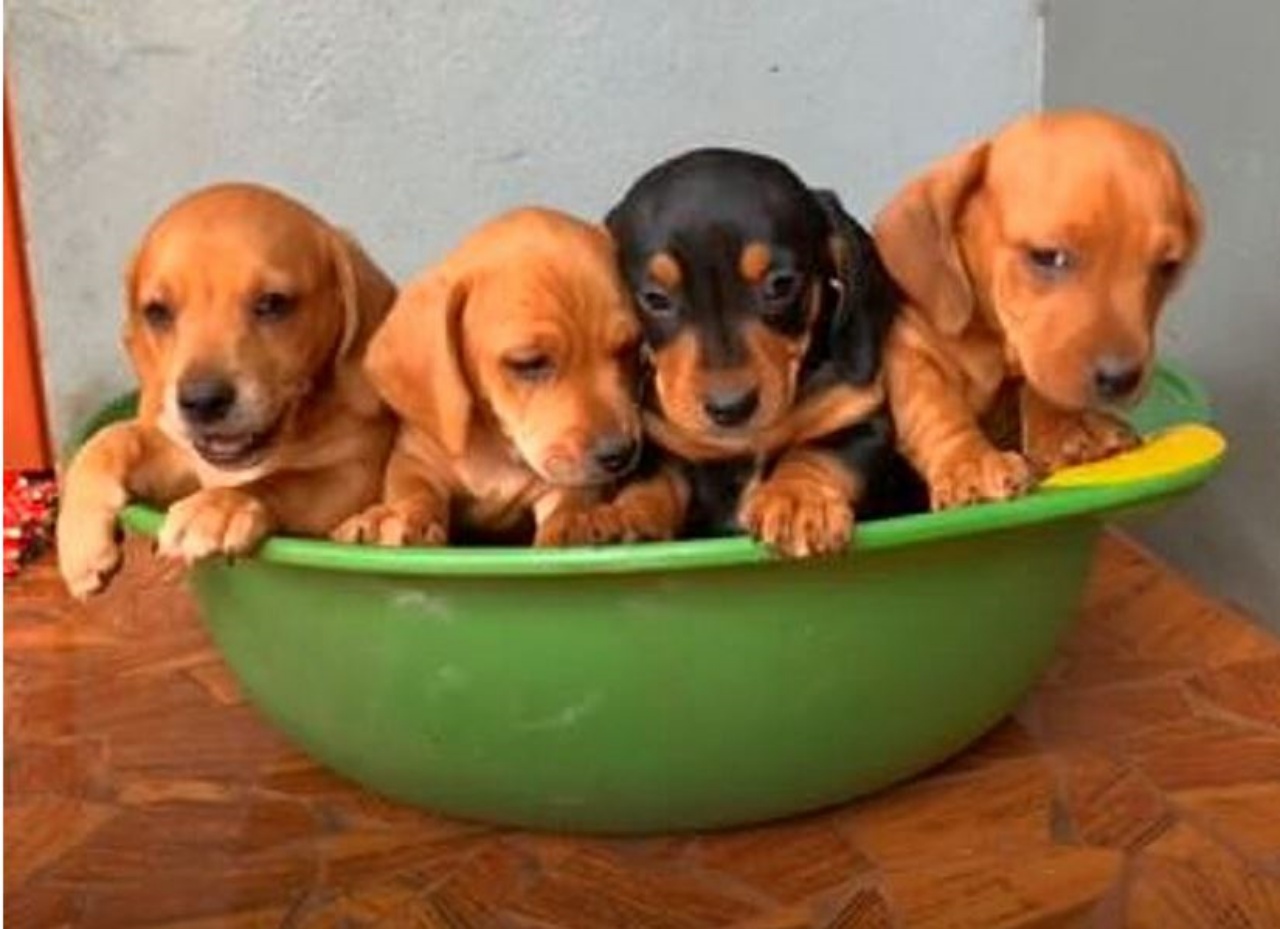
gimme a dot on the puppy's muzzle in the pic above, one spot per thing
(216, 424)
(594, 459)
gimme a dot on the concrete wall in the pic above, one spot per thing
(1208, 73)
(409, 121)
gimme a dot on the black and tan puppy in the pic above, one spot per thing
(763, 307)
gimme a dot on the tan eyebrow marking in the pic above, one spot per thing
(664, 269)
(754, 262)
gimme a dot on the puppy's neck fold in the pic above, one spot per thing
(841, 406)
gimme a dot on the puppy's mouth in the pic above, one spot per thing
(235, 450)
(570, 471)
(571, 474)
(736, 430)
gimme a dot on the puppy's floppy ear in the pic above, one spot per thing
(917, 231)
(141, 354)
(415, 359)
(1193, 216)
(865, 297)
(366, 293)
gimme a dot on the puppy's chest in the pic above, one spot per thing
(498, 490)
(982, 359)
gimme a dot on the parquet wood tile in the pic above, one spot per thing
(1003, 807)
(1109, 803)
(809, 858)
(1243, 818)
(1187, 881)
(1138, 785)
(866, 908)
(1052, 886)
(1248, 690)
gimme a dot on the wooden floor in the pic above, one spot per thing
(1138, 786)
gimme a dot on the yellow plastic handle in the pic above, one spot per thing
(1176, 449)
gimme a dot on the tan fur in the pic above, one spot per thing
(802, 508)
(1113, 196)
(841, 406)
(754, 262)
(665, 269)
(771, 367)
(209, 257)
(479, 440)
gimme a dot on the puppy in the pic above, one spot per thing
(1034, 263)
(764, 306)
(512, 364)
(247, 318)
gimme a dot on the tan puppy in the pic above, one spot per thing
(247, 320)
(512, 364)
(1039, 258)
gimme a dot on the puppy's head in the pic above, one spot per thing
(1067, 232)
(524, 329)
(739, 271)
(241, 304)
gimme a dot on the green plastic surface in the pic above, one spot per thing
(665, 686)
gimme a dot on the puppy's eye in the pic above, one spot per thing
(780, 286)
(534, 367)
(272, 305)
(1051, 262)
(655, 301)
(158, 314)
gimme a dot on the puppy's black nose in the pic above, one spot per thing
(1114, 379)
(615, 454)
(205, 400)
(731, 407)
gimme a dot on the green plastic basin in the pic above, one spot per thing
(664, 686)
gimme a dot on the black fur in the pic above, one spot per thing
(703, 208)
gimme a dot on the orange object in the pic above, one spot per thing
(26, 437)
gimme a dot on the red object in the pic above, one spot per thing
(26, 439)
(30, 501)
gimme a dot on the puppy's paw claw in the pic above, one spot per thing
(393, 526)
(797, 520)
(982, 476)
(213, 521)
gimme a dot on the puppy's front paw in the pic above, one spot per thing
(797, 519)
(605, 524)
(980, 475)
(88, 552)
(573, 526)
(213, 521)
(1079, 439)
(394, 525)
(634, 521)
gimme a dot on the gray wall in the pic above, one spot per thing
(1208, 73)
(409, 121)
